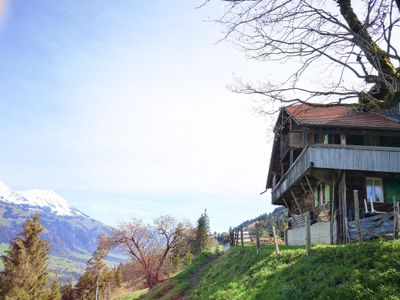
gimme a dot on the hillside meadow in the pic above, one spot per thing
(369, 270)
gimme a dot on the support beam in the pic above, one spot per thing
(332, 220)
(357, 214)
(284, 201)
(308, 182)
(291, 157)
(307, 227)
(343, 206)
(309, 196)
(297, 203)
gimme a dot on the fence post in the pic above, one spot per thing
(232, 237)
(357, 214)
(307, 227)
(241, 236)
(274, 235)
(395, 219)
(257, 242)
(397, 213)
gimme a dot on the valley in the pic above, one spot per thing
(71, 233)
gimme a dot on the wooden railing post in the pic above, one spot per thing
(307, 227)
(357, 214)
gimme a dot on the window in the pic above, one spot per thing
(322, 194)
(371, 140)
(354, 139)
(316, 200)
(327, 193)
(332, 139)
(374, 189)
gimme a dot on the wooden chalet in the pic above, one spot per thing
(322, 158)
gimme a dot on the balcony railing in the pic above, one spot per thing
(338, 157)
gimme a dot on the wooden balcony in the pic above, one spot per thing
(338, 157)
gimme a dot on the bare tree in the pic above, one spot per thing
(150, 245)
(352, 44)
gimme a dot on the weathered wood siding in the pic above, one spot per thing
(350, 157)
(339, 157)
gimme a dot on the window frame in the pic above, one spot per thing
(374, 179)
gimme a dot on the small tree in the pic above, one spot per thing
(67, 291)
(150, 245)
(25, 264)
(54, 292)
(183, 254)
(202, 241)
(97, 277)
(119, 275)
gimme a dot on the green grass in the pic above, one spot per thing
(355, 271)
(63, 265)
(178, 284)
(370, 270)
(133, 296)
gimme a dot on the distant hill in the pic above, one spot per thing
(279, 213)
(71, 233)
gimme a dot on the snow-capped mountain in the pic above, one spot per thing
(39, 198)
(7, 195)
(71, 233)
(67, 228)
(48, 198)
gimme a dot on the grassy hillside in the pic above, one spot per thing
(355, 271)
(174, 287)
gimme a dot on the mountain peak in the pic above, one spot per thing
(42, 198)
(4, 188)
(7, 195)
(49, 198)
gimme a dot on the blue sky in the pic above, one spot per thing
(122, 107)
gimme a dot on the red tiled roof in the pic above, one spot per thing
(339, 116)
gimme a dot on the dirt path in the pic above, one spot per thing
(194, 279)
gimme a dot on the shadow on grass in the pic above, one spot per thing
(176, 287)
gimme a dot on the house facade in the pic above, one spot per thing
(326, 156)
